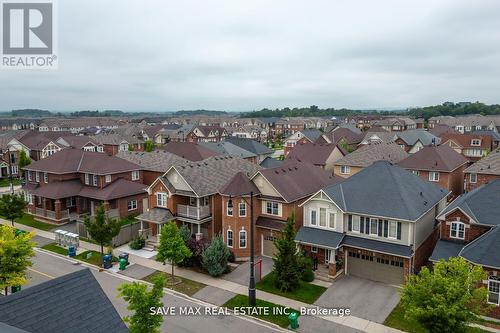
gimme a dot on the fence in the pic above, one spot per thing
(126, 234)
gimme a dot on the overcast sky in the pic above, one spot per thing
(246, 55)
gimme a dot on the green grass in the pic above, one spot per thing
(242, 301)
(187, 287)
(29, 221)
(95, 259)
(397, 320)
(306, 292)
(5, 182)
(128, 220)
(55, 248)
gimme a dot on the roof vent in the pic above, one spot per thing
(421, 194)
(276, 172)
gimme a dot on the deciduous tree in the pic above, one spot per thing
(172, 247)
(24, 161)
(12, 206)
(149, 146)
(286, 267)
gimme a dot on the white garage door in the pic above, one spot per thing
(268, 248)
(376, 269)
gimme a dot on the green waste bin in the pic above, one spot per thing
(294, 320)
(15, 289)
(123, 264)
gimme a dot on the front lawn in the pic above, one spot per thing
(278, 319)
(55, 248)
(306, 292)
(94, 258)
(397, 320)
(29, 221)
(187, 287)
(5, 182)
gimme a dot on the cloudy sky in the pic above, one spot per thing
(245, 55)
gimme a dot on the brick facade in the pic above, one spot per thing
(472, 231)
(481, 180)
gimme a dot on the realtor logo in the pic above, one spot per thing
(28, 35)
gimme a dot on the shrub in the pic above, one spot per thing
(137, 243)
(232, 257)
(216, 256)
(185, 233)
(308, 275)
(197, 247)
(305, 268)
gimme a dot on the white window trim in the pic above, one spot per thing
(475, 178)
(227, 209)
(458, 224)
(108, 179)
(87, 179)
(395, 224)
(314, 249)
(434, 173)
(345, 169)
(498, 293)
(244, 232)
(244, 205)
(475, 142)
(376, 229)
(134, 206)
(95, 180)
(354, 221)
(227, 238)
(45, 177)
(315, 217)
(272, 203)
(159, 203)
(135, 175)
(37, 177)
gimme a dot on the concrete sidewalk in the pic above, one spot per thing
(236, 288)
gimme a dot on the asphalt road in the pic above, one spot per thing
(48, 266)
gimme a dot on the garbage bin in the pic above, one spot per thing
(294, 320)
(15, 289)
(123, 264)
(72, 251)
(124, 255)
(106, 260)
(19, 232)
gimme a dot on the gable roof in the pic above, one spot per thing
(316, 154)
(270, 162)
(311, 134)
(480, 204)
(158, 160)
(190, 151)
(386, 190)
(440, 129)
(464, 140)
(367, 154)
(227, 148)
(484, 249)
(250, 145)
(350, 136)
(489, 165)
(411, 137)
(71, 303)
(297, 180)
(434, 158)
(239, 185)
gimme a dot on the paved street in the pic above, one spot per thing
(47, 266)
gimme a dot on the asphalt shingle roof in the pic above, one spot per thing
(319, 237)
(446, 249)
(156, 215)
(484, 250)
(158, 160)
(489, 165)
(367, 154)
(251, 145)
(313, 153)
(386, 190)
(228, 148)
(190, 151)
(71, 303)
(378, 246)
(412, 136)
(434, 158)
(270, 162)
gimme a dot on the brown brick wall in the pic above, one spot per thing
(472, 232)
(424, 251)
(121, 204)
(481, 180)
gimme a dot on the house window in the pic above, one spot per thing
(314, 249)
(94, 180)
(30, 198)
(132, 205)
(473, 178)
(87, 179)
(14, 169)
(161, 199)
(29, 175)
(331, 220)
(123, 147)
(107, 179)
(37, 177)
(322, 217)
(192, 201)
(242, 209)
(374, 227)
(475, 142)
(230, 238)
(70, 202)
(243, 239)
(45, 177)
(313, 217)
(345, 169)
(393, 229)
(229, 210)
(494, 290)
(434, 176)
(100, 149)
(457, 230)
(135, 175)
(272, 208)
(355, 224)
(415, 172)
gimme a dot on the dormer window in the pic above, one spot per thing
(135, 175)
(457, 230)
(475, 142)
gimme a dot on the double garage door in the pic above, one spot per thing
(376, 269)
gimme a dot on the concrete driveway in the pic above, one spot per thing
(367, 299)
(241, 274)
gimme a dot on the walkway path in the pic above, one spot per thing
(356, 323)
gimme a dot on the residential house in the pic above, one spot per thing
(38, 145)
(77, 125)
(470, 228)
(414, 140)
(395, 124)
(213, 133)
(72, 182)
(254, 132)
(80, 142)
(9, 156)
(438, 164)
(440, 129)
(377, 135)
(270, 162)
(303, 136)
(468, 123)
(483, 171)
(378, 224)
(16, 124)
(259, 149)
(228, 148)
(172, 133)
(113, 143)
(188, 194)
(347, 138)
(191, 151)
(472, 146)
(321, 155)
(278, 192)
(366, 155)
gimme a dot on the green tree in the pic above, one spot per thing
(216, 256)
(15, 254)
(24, 161)
(172, 247)
(140, 301)
(131, 147)
(149, 146)
(286, 265)
(447, 298)
(102, 228)
(185, 233)
(12, 206)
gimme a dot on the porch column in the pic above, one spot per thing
(78, 209)
(57, 208)
(199, 235)
(332, 267)
(198, 210)
(106, 205)
(44, 205)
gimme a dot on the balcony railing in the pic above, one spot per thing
(193, 212)
(50, 214)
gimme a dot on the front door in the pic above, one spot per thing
(328, 256)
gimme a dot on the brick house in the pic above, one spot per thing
(113, 143)
(278, 192)
(439, 164)
(378, 224)
(300, 137)
(213, 133)
(483, 171)
(472, 146)
(72, 182)
(470, 228)
(414, 140)
(191, 151)
(321, 155)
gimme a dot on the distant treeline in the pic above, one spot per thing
(200, 113)
(31, 113)
(455, 109)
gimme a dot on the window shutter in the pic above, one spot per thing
(361, 224)
(399, 230)
(349, 223)
(386, 228)
(367, 226)
(380, 228)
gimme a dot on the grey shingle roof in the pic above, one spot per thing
(484, 250)
(239, 185)
(227, 148)
(157, 215)
(446, 249)
(386, 190)
(319, 237)
(481, 204)
(434, 158)
(367, 154)
(379, 246)
(412, 136)
(270, 162)
(250, 145)
(158, 160)
(487, 165)
(71, 303)
(311, 134)
(115, 139)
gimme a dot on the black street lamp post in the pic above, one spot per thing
(251, 283)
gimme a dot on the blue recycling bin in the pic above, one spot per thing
(106, 261)
(72, 251)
